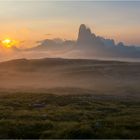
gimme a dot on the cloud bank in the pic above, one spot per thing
(87, 46)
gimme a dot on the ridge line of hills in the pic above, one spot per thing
(24, 60)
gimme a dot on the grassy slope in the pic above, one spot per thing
(103, 103)
(47, 115)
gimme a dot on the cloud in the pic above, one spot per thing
(89, 45)
(48, 34)
(55, 44)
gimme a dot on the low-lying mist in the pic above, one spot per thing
(70, 54)
(42, 74)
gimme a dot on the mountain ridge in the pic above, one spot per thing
(89, 44)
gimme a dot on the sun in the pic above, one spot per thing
(8, 43)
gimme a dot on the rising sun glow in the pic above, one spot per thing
(8, 43)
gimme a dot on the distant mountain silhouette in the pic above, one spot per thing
(88, 44)
(105, 47)
(85, 37)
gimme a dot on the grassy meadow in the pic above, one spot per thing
(68, 116)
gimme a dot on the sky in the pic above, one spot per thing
(31, 21)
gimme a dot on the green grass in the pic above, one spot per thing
(34, 115)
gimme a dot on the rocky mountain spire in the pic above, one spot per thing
(85, 36)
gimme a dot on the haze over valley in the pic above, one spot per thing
(107, 77)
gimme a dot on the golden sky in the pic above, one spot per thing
(29, 21)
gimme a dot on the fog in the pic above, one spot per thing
(41, 74)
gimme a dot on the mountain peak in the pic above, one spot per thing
(82, 26)
(84, 36)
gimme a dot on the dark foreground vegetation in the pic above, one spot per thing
(47, 115)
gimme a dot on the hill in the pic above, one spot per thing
(112, 77)
(56, 98)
